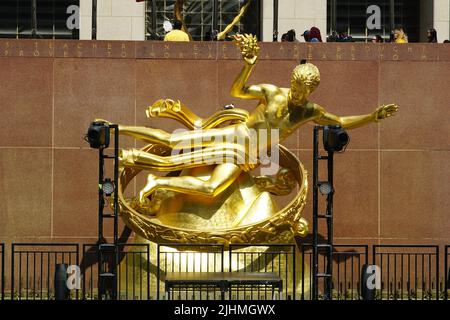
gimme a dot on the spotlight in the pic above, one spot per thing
(325, 187)
(335, 138)
(108, 187)
(98, 135)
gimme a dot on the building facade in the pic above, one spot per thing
(130, 20)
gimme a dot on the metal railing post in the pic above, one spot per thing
(2, 274)
(446, 272)
(12, 271)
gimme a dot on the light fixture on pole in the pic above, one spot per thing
(108, 187)
(325, 188)
(98, 135)
(335, 138)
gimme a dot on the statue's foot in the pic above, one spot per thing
(126, 158)
(149, 188)
(147, 209)
(153, 205)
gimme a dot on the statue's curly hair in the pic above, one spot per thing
(306, 73)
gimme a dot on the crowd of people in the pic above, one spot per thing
(398, 35)
(312, 35)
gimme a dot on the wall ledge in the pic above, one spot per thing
(222, 50)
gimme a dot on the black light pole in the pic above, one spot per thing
(335, 139)
(275, 20)
(116, 210)
(330, 234)
(98, 137)
(315, 262)
(328, 216)
(94, 19)
(101, 206)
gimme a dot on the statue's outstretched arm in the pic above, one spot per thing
(351, 122)
(249, 49)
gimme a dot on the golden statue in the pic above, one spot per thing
(210, 194)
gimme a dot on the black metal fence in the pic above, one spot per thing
(2, 271)
(173, 258)
(414, 272)
(278, 259)
(408, 272)
(447, 272)
(132, 272)
(33, 269)
(348, 261)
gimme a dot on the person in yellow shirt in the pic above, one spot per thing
(400, 35)
(177, 34)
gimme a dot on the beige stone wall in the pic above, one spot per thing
(390, 183)
(299, 15)
(117, 20)
(442, 19)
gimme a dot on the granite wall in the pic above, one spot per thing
(391, 183)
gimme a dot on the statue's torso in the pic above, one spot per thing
(275, 114)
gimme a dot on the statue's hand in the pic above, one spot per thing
(248, 44)
(163, 106)
(385, 111)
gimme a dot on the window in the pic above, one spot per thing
(350, 16)
(17, 19)
(198, 17)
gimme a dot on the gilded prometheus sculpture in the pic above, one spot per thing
(210, 194)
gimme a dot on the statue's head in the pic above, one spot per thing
(305, 79)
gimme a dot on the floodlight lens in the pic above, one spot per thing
(325, 188)
(108, 187)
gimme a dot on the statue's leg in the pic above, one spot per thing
(185, 139)
(219, 154)
(221, 178)
(150, 135)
